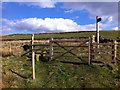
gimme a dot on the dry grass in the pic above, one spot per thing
(7, 80)
(5, 53)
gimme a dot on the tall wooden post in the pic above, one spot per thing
(89, 46)
(97, 30)
(51, 49)
(33, 63)
(92, 46)
(33, 57)
(115, 51)
(93, 38)
(32, 42)
(10, 46)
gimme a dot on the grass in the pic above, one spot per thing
(57, 75)
(105, 34)
(17, 71)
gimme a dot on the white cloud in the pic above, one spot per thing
(39, 25)
(115, 28)
(110, 19)
(69, 11)
(5, 29)
(40, 4)
(102, 9)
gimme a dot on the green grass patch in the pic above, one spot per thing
(105, 34)
(57, 75)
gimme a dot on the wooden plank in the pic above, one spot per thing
(72, 51)
(97, 64)
(102, 60)
(74, 62)
(71, 40)
(72, 56)
(42, 53)
(71, 46)
(102, 54)
(40, 49)
(39, 45)
(26, 53)
(101, 49)
(103, 44)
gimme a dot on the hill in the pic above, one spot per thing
(105, 34)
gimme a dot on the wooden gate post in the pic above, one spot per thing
(32, 42)
(89, 46)
(92, 46)
(33, 57)
(33, 63)
(115, 51)
(51, 49)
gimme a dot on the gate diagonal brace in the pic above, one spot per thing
(70, 51)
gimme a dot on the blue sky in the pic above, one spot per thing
(42, 17)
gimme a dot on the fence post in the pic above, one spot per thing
(10, 46)
(33, 57)
(97, 30)
(51, 49)
(33, 63)
(115, 51)
(89, 46)
(32, 42)
(93, 38)
(92, 46)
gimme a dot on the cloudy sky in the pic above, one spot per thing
(42, 17)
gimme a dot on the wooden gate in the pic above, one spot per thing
(107, 52)
(79, 49)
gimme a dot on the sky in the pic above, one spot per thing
(45, 17)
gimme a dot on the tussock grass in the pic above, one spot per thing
(6, 53)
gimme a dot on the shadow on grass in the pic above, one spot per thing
(44, 59)
(20, 75)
